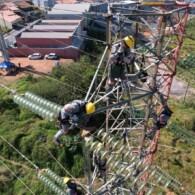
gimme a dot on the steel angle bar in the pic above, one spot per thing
(95, 75)
(103, 109)
(120, 123)
(148, 26)
(94, 175)
(138, 88)
(121, 181)
(151, 174)
(104, 185)
(116, 119)
(127, 128)
(186, 6)
(97, 89)
(113, 90)
(147, 14)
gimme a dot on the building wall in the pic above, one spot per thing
(43, 43)
(4, 23)
(62, 53)
(44, 3)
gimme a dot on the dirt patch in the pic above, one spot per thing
(36, 67)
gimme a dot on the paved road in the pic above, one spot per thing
(178, 87)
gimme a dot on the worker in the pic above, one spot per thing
(100, 162)
(70, 118)
(119, 61)
(162, 120)
(73, 188)
(19, 67)
(101, 165)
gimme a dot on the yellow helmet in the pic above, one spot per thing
(129, 40)
(90, 108)
(66, 180)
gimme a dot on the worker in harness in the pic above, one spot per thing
(119, 61)
(71, 120)
(162, 120)
(100, 163)
(73, 188)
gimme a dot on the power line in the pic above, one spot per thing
(23, 156)
(49, 77)
(65, 169)
(96, 13)
(17, 177)
(35, 166)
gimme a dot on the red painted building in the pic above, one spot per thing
(66, 43)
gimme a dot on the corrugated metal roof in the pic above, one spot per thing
(61, 21)
(46, 35)
(76, 9)
(55, 27)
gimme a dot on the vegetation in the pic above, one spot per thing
(185, 70)
(32, 136)
(4, 29)
(176, 155)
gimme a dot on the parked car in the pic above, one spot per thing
(51, 56)
(35, 56)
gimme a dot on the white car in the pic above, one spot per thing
(35, 56)
(51, 56)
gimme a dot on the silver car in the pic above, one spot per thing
(51, 56)
(35, 56)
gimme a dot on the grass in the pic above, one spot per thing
(23, 129)
(187, 72)
(175, 155)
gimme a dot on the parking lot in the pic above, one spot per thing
(33, 66)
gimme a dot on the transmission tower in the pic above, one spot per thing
(123, 143)
(132, 109)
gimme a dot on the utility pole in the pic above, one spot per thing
(3, 48)
(108, 30)
(108, 41)
(5, 26)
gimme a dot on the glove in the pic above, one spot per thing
(74, 119)
(127, 60)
